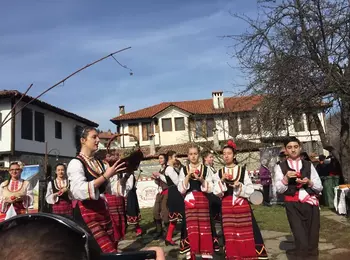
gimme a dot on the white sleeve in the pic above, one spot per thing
(219, 186)
(121, 190)
(246, 188)
(162, 178)
(29, 201)
(50, 197)
(181, 186)
(315, 178)
(170, 171)
(81, 189)
(281, 186)
(207, 186)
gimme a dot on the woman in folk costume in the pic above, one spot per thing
(194, 181)
(16, 195)
(266, 181)
(58, 193)
(300, 184)
(160, 209)
(89, 180)
(234, 185)
(133, 214)
(214, 201)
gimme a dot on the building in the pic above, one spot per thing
(37, 128)
(214, 120)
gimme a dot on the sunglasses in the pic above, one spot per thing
(24, 219)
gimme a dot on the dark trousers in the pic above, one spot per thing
(266, 193)
(304, 221)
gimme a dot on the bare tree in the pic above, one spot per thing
(297, 53)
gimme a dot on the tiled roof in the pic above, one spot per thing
(201, 107)
(42, 104)
(182, 149)
(106, 135)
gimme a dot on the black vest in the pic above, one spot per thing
(305, 171)
(91, 175)
(194, 184)
(64, 196)
(240, 178)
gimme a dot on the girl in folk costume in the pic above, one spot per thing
(58, 193)
(89, 179)
(298, 180)
(133, 213)
(214, 201)
(160, 209)
(175, 201)
(234, 185)
(116, 203)
(16, 195)
(194, 181)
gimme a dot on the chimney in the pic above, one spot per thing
(218, 99)
(121, 110)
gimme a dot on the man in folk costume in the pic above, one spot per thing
(58, 193)
(16, 195)
(234, 185)
(214, 201)
(194, 181)
(160, 209)
(89, 179)
(299, 182)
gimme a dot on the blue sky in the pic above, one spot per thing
(177, 51)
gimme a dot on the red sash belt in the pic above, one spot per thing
(294, 198)
(164, 192)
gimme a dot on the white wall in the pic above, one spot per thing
(66, 145)
(173, 137)
(5, 138)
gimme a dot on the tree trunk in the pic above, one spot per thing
(344, 139)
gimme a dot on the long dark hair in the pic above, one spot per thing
(82, 132)
(165, 157)
(169, 154)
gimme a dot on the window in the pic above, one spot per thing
(166, 125)
(179, 124)
(146, 131)
(311, 123)
(39, 127)
(27, 124)
(233, 126)
(246, 125)
(199, 128)
(210, 124)
(134, 130)
(298, 123)
(58, 130)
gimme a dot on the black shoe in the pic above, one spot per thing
(170, 243)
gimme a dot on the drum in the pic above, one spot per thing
(256, 198)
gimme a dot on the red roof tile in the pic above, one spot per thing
(201, 107)
(42, 104)
(106, 135)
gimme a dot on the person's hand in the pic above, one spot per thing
(291, 174)
(236, 184)
(114, 169)
(159, 252)
(304, 181)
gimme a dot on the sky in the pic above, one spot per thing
(178, 52)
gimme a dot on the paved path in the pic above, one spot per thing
(276, 244)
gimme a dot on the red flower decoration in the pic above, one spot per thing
(298, 175)
(196, 172)
(232, 144)
(13, 197)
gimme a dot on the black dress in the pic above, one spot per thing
(176, 204)
(132, 206)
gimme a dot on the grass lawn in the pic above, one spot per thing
(272, 219)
